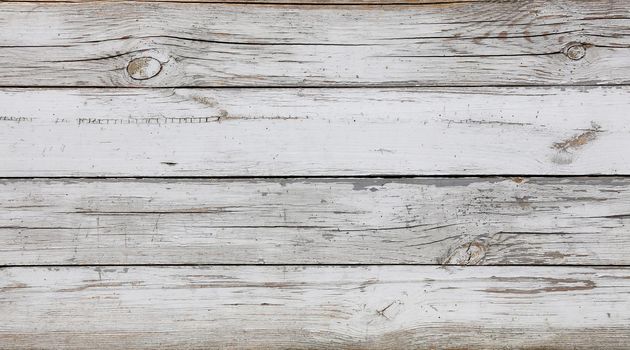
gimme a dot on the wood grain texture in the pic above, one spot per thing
(374, 307)
(210, 45)
(277, 2)
(465, 221)
(192, 174)
(304, 132)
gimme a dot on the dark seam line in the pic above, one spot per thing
(585, 34)
(311, 264)
(333, 86)
(262, 3)
(473, 56)
(306, 177)
(222, 41)
(34, 46)
(100, 58)
(509, 36)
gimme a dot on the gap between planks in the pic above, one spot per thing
(533, 265)
(302, 177)
(308, 87)
(276, 2)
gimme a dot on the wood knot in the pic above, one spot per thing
(575, 51)
(471, 253)
(144, 68)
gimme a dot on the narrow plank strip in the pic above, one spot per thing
(315, 307)
(342, 221)
(205, 45)
(305, 132)
(290, 2)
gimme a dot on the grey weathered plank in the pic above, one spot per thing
(329, 132)
(433, 3)
(375, 307)
(345, 221)
(202, 44)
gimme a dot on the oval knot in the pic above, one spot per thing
(575, 51)
(144, 68)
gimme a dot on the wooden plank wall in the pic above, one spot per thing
(334, 174)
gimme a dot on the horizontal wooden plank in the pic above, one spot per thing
(533, 42)
(394, 307)
(305, 132)
(289, 2)
(465, 221)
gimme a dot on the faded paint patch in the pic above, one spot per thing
(486, 122)
(101, 285)
(523, 201)
(553, 285)
(555, 256)
(384, 150)
(15, 119)
(444, 182)
(204, 100)
(580, 140)
(10, 287)
(565, 148)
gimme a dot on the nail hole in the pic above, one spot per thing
(144, 68)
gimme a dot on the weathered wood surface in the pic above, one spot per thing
(465, 221)
(329, 132)
(386, 307)
(97, 95)
(454, 43)
(289, 2)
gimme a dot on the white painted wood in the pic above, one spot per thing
(375, 307)
(342, 221)
(329, 132)
(202, 44)
(303, 129)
